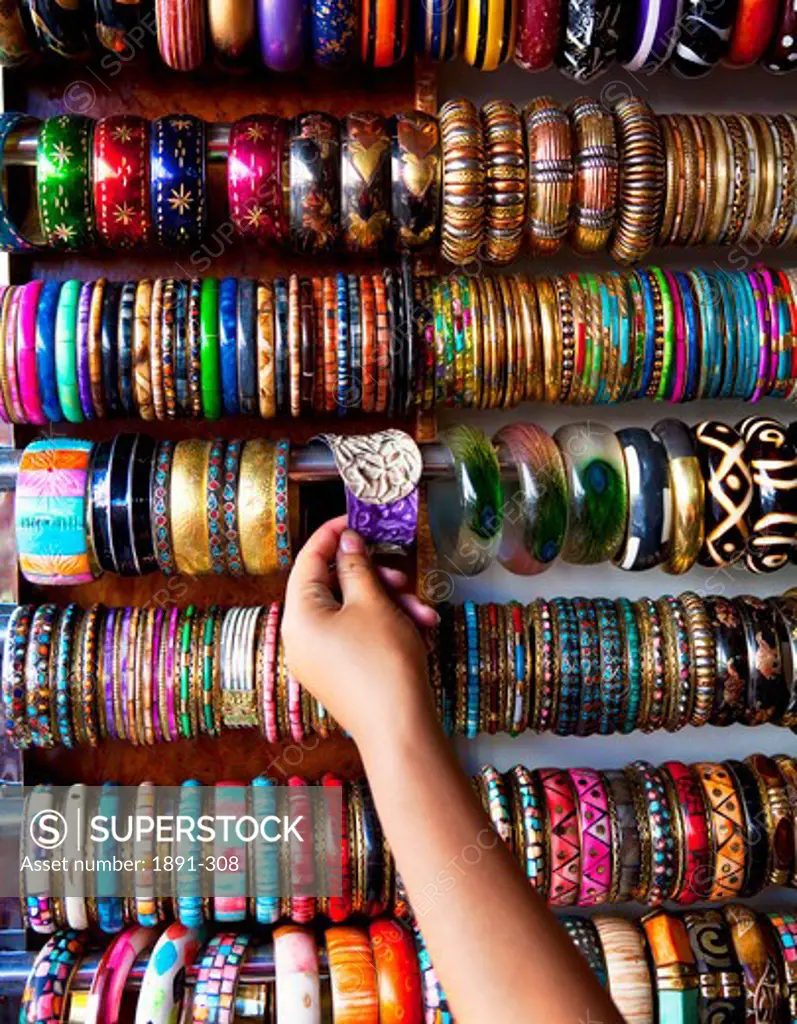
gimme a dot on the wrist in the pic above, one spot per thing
(404, 730)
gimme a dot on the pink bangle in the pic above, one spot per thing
(254, 179)
(5, 297)
(26, 353)
(155, 673)
(302, 855)
(108, 986)
(298, 981)
(174, 616)
(12, 379)
(680, 370)
(295, 709)
(269, 680)
(765, 340)
(596, 837)
(774, 326)
(564, 846)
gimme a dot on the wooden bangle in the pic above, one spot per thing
(756, 950)
(726, 826)
(674, 966)
(630, 982)
(353, 977)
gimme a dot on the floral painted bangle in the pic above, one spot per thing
(63, 181)
(314, 162)
(177, 185)
(121, 176)
(333, 33)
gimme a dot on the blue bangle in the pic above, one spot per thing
(728, 335)
(602, 396)
(182, 399)
(630, 630)
(110, 916)
(472, 632)
(569, 667)
(589, 650)
(281, 348)
(228, 344)
(612, 683)
(748, 336)
(109, 334)
(127, 303)
(266, 856)
(189, 887)
(355, 389)
(121, 504)
(11, 239)
(342, 291)
(438, 28)
(82, 343)
(63, 672)
(333, 32)
(687, 296)
(46, 315)
(178, 193)
(247, 347)
(650, 332)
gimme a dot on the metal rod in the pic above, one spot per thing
(21, 146)
(309, 463)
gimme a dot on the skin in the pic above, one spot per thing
(353, 636)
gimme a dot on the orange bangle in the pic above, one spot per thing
(382, 343)
(397, 973)
(726, 823)
(330, 344)
(352, 975)
(318, 383)
(368, 331)
(385, 31)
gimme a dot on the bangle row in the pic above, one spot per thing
(620, 179)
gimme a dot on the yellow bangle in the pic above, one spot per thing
(256, 508)
(188, 507)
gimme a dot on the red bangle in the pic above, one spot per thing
(121, 181)
(255, 167)
(564, 847)
(537, 33)
(385, 31)
(181, 33)
(596, 836)
(382, 344)
(302, 854)
(398, 976)
(339, 907)
(696, 875)
(752, 31)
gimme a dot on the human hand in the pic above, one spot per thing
(361, 654)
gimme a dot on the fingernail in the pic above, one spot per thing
(351, 543)
(436, 614)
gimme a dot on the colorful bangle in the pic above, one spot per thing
(688, 804)
(594, 828)
(181, 34)
(256, 199)
(108, 985)
(283, 34)
(385, 29)
(121, 176)
(550, 175)
(584, 936)
(353, 975)
(365, 183)
(719, 979)
(217, 979)
(63, 181)
(46, 994)
(177, 186)
(314, 168)
(561, 826)
(785, 928)
(162, 990)
(298, 987)
(674, 965)
(726, 824)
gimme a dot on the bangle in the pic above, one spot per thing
(778, 820)
(753, 28)
(283, 34)
(256, 167)
(654, 819)
(125, 347)
(365, 182)
(678, 668)
(11, 238)
(562, 836)
(690, 813)
(187, 511)
(177, 186)
(687, 491)
(528, 823)
(63, 181)
(463, 166)
(785, 929)
(109, 333)
(786, 628)
(46, 993)
(439, 29)
(121, 175)
(385, 29)
(256, 507)
(646, 472)
(703, 39)
(246, 347)
(38, 697)
(728, 492)
(352, 974)
(598, 493)
(769, 454)
(298, 985)
(162, 992)
(592, 801)
(595, 161)
(314, 169)
(266, 858)
(641, 181)
(15, 45)
(217, 978)
(765, 698)
(538, 33)
(435, 1003)
(231, 27)
(674, 966)
(505, 182)
(50, 511)
(726, 827)
(756, 950)
(181, 34)
(584, 936)
(630, 982)
(550, 171)
(719, 979)
(333, 33)
(27, 369)
(702, 657)
(756, 825)
(416, 198)
(490, 33)
(399, 986)
(229, 887)
(625, 837)
(108, 985)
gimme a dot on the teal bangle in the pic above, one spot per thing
(604, 384)
(668, 314)
(209, 356)
(629, 628)
(729, 333)
(66, 318)
(467, 519)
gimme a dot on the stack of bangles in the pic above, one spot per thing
(391, 343)
(571, 666)
(731, 965)
(496, 183)
(583, 39)
(583, 838)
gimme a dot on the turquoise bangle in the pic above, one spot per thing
(266, 855)
(630, 629)
(730, 334)
(188, 881)
(66, 318)
(710, 364)
(209, 353)
(472, 636)
(744, 322)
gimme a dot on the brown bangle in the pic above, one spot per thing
(673, 178)
(718, 213)
(778, 817)
(705, 177)
(295, 345)
(462, 225)
(352, 972)
(785, 128)
(740, 180)
(641, 181)
(756, 951)
(595, 167)
(266, 381)
(142, 332)
(691, 179)
(308, 343)
(506, 181)
(702, 656)
(550, 175)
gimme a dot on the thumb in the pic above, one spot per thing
(357, 578)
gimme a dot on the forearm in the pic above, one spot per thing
(496, 948)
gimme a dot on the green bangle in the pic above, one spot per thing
(66, 317)
(63, 181)
(668, 314)
(185, 672)
(596, 337)
(209, 358)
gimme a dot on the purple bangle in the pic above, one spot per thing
(174, 615)
(764, 344)
(26, 353)
(109, 665)
(10, 341)
(391, 525)
(156, 647)
(83, 376)
(653, 35)
(126, 617)
(283, 33)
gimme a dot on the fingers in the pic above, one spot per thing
(395, 579)
(311, 578)
(357, 578)
(423, 615)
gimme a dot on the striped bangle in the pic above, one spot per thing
(630, 983)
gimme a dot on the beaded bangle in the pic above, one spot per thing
(568, 634)
(529, 827)
(654, 817)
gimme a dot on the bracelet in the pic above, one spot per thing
(595, 159)
(687, 490)
(65, 345)
(298, 986)
(630, 982)
(314, 169)
(121, 177)
(785, 928)
(107, 987)
(416, 199)
(353, 977)
(756, 950)
(770, 455)
(177, 184)
(646, 472)
(365, 182)
(584, 936)
(463, 167)
(505, 183)
(489, 33)
(690, 816)
(778, 820)
(46, 993)
(719, 979)
(187, 510)
(398, 975)
(27, 369)
(257, 155)
(283, 34)
(63, 181)
(162, 992)
(726, 826)
(728, 492)
(593, 821)
(561, 828)
(641, 181)
(181, 34)
(217, 978)
(674, 965)
(550, 172)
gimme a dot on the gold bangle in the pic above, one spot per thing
(550, 175)
(489, 330)
(462, 226)
(551, 347)
(595, 167)
(719, 210)
(705, 178)
(188, 507)
(509, 316)
(506, 181)
(702, 656)
(770, 167)
(691, 179)
(641, 184)
(256, 507)
(672, 179)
